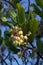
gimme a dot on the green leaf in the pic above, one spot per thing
(39, 3)
(39, 45)
(21, 14)
(33, 26)
(24, 28)
(12, 14)
(37, 10)
(4, 19)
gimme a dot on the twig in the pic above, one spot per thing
(28, 5)
(37, 63)
(40, 55)
(11, 3)
(7, 56)
(2, 60)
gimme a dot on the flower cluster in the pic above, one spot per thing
(17, 36)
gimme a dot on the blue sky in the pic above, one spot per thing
(24, 3)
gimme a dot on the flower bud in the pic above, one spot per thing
(13, 27)
(19, 54)
(12, 36)
(18, 38)
(15, 37)
(21, 36)
(25, 37)
(16, 42)
(21, 41)
(10, 30)
(16, 27)
(29, 33)
(20, 32)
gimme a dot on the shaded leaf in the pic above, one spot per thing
(21, 14)
(1, 39)
(39, 45)
(39, 3)
(37, 10)
(33, 26)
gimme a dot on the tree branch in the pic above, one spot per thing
(11, 3)
(2, 60)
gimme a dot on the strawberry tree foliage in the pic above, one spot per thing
(19, 27)
(22, 27)
(38, 8)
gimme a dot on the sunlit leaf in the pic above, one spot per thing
(5, 22)
(13, 16)
(33, 26)
(4, 19)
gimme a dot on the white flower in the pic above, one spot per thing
(20, 32)
(12, 36)
(16, 42)
(24, 42)
(18, 38)
(13, 27)
(21, 41)
(25, 37)
(11, 30)
(29, 33)
(19, 54)
(15, 37)
(16, 27)
(21, 36)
